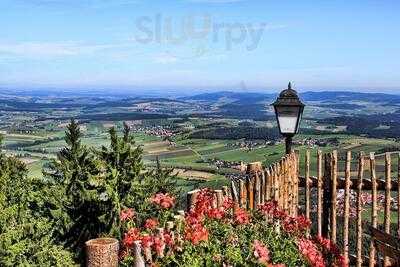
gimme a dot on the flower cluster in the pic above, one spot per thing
(311, 253)
(126, 214)
(164, 201)
(225, 234)
(261, 252)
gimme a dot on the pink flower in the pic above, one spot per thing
(151, 224)
(215, 213)
(261, 252)
(241, 216)
(127, 214)
(131, 236)
(311, 253)
(165, 201)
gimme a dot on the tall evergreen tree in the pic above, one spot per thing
(74, 191)
(25, 237)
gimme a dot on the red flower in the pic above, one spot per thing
(296, 224)
(311, 253)
(261, 252)
(228, 203)
(215, 214)
(147, 241)
(151, 224)
(241, 216)
(127, 214)
(330, 248)
(158, 245)
(196, 233)
(165, 201)
(168, 239)
(131, 236)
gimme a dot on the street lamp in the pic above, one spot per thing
(289, 110)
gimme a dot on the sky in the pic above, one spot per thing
(200, 44)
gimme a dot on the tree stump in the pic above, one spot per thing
(102, 252)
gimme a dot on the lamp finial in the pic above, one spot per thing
(290, 86)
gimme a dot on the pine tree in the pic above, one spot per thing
(73, 194)
(25, 237)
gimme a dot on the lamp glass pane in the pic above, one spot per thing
(288, 118)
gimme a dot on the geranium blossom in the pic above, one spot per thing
(215, 213)
(261, 252)
(151, 224)
(127, 214)
(196, 233)
(311, 253)
(131, 236)
(165, 201)
(241, 216)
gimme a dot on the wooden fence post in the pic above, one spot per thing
(102, 252)
(307, 190)
(347, 206)
(327, 195)
(374, 213)
(320, 192)
(359, 208)
(388, 180)
(334, 178)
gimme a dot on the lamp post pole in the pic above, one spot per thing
(289, 142)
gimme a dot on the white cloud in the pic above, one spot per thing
(165, 58)
(48, 49)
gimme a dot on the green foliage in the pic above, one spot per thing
(25, 237)
(87, 188)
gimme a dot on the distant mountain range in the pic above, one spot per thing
(325, 96)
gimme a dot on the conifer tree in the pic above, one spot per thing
(25, 237)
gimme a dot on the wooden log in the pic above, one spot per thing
(257, 190)
(243, 194)
(307, 190)
(227, 192)
(102, 252)
(320, 192)
(268, 183)
(191, 198)
(276, 183)
(374, 212)
(296, 181)
(388, 177)
(398, 194)
(219, 196)
(137, 251)
(347, 207)
(334, 196)
(327, 196)
(285, 184)
(290, 167)
(359, 210)
(263, 186)
(250, 193)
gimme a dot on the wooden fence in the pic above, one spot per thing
(344, 199)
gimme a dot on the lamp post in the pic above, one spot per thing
(289, 110)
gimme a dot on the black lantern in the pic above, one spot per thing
(289, 110)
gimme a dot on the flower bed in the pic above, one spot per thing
(208, 235)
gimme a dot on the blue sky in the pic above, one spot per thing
(221, 44)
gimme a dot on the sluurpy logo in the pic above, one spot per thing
(166, 29)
